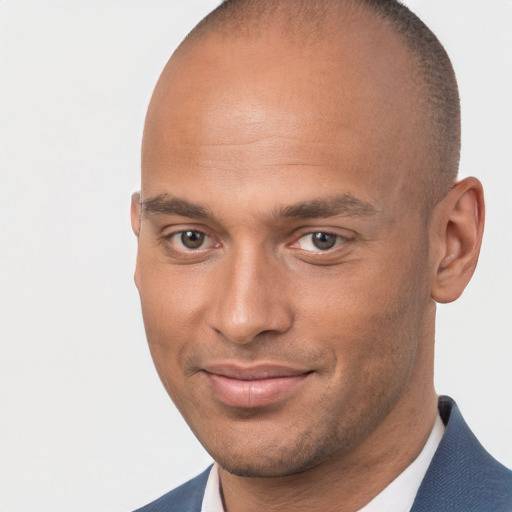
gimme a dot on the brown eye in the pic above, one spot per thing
(192, 239)
(320, 241)
(323, 241)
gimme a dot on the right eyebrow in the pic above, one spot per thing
(167, 205)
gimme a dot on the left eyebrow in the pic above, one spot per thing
(343, 205)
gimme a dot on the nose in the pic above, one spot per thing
(250, 298)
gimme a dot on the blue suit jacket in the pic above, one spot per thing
(462, 477)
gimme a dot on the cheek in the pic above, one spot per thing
(171, 295)
(371, 317)
(172, 307)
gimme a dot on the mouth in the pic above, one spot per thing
(256, 386)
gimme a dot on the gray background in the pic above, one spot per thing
(84, 422)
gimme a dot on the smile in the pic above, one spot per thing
(253, 387)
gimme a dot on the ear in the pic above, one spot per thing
(135, 213)
(456, 235)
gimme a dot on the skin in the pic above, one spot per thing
(273, 144)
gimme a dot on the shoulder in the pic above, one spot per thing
(462, 475)
(185, 498)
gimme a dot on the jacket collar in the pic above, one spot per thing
(462, 475)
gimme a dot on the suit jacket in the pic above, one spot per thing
(462, 477)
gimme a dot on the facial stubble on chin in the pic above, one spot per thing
(332, 436)
(336, 430)
(329, 439)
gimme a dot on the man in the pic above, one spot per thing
(298, 219)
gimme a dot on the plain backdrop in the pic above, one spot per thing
(84, 423)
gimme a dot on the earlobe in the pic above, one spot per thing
(456, 236)
(135, 213)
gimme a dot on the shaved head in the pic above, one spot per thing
(298, 170)
(265, 124)
(309, 22)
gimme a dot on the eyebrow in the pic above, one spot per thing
(167, 205)
(341, 205)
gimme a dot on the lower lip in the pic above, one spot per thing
(253, 393)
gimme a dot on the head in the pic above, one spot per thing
(298, 219)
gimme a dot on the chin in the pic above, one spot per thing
(274, 462)
(255, 469)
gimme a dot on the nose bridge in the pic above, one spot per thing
(249, 299)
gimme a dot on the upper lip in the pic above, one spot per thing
(254, 372)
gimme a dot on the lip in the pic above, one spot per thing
(255, 386)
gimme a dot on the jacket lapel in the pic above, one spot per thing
(462, 475)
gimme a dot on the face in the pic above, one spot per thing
(282, 262)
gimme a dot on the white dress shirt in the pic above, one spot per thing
(398, 496)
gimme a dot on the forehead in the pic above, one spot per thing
(250, 108)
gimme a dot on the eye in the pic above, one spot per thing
(319, 241)
(190, 240)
